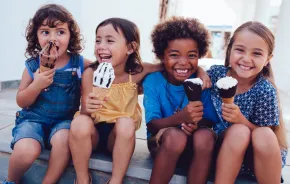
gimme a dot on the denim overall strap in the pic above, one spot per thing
(61, 99)
(32, 65)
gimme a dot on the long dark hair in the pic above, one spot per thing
(262, 31)
(52, 13)
(131, 34)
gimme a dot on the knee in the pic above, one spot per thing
(173, 141)
(81, 126)
(264, 141)
(203, 141)
(27, 150)
(60, 139)
(238, 137)
(125, 127)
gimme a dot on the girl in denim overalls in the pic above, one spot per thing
(117, 42)
(49, 99)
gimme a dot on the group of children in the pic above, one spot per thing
(245, 136)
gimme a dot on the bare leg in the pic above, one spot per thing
(231, 154)
(203, 145)
(25, 152)
(267, 156)
(83, 138)
(173, 143)
(59, 156)
(122, 143)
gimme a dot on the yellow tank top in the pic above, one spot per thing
(122, 102)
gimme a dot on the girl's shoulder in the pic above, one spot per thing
(154, 79)
(263, 85)
(217, 71)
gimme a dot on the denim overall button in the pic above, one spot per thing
(74, 73)
(17, 114)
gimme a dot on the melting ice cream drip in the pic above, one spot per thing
(49, 55)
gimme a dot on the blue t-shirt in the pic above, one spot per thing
(162, 98)
(259, 104)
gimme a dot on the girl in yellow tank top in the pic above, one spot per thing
(111, 124)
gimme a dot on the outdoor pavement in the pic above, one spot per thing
(8, 107)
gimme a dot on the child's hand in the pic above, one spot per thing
(44, 79)
(232, 113)
(93, 103)
(189, 128)
(206, 81)
(193, 112)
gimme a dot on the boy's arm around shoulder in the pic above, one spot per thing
(148, 68)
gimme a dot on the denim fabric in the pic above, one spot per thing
(55, 105)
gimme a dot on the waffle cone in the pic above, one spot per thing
(43, 69)
(101, 92)
(228, 100)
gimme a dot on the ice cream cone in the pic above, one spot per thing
(193, 89)
(228, 100)
(227, 87)
(43, 69)
(48, 56)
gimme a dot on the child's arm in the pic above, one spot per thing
(204, 77)
(148, 68)
(87, 63)
(29, 89)
(191, 114)
(89, 101)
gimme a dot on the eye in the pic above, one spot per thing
(258, 54)
(111, 41)
(44, 32)
(60, 32)
(173, 56)
(192, 56)
(98, 41)
(239, 50)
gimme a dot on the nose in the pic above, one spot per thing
(52, 37)
(247, 57)
(183, 60)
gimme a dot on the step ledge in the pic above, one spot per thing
(135, 170)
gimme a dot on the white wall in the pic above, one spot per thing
(88, 14)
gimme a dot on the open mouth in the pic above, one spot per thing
(105, 57)
(182, 72)
(245, 68)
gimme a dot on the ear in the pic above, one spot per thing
(132, 47)
(269, 59)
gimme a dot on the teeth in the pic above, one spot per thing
(182, 71)
(245, 67)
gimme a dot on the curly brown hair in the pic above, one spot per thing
(52, 13)
(179, 28)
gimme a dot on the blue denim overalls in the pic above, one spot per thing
(55, 106)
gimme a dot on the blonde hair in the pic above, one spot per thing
(262, 31)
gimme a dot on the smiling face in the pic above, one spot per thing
(59, 34)
(180, 59)
(111, 46)
(249, 54)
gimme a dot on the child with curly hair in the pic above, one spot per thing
(176, 128)
(49, 93)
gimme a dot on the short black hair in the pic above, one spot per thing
(179, 28)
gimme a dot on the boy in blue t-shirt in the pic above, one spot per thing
(174, 125)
